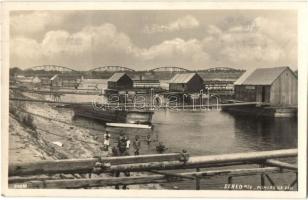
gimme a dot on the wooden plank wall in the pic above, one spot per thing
(284, 89)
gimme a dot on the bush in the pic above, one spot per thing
(12, 109)
(28, 121)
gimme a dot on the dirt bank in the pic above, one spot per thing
(52, 139)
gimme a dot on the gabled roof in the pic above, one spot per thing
(116, 77)
(53, 78)
(261, 76)
(182, 78)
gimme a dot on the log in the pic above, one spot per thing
(170, 174)
(207, 161)
(28, 179)
(127, 125)
(103, 182)
(82, 165)
(277, 163)
(145, 162)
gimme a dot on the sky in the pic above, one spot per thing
(141, 40)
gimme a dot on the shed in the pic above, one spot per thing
(186, 82)
(55, 81)
(277, 86)
(120, 81)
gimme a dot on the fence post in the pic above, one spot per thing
(262, 178)
(230, 182)
(197, 180)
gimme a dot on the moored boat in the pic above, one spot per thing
(131, 116)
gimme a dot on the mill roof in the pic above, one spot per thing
(116, 77)
(53, 78)
(261, 76)
(182, 78)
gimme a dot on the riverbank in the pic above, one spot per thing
(45, 139)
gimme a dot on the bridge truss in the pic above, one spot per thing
(112, 69)
(169, 69)
(52, 68)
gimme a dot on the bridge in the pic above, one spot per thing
(169, 69)
(52, 68)
(126, 69)
(215, 69)
(112, 69)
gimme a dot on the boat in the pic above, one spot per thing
(126, 125)
(110, 115)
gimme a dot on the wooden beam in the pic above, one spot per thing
(129, 105)
(207, 161)
(28, 179)
(170, 174)
(83, 165)
(144, 162)
(198, 186)
(277, 163)
(110, 181)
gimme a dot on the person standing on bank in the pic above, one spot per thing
(148, 140)
(121, 150)
(136, 145)
(106, 141)
(127, 143)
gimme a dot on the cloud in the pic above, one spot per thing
(175, 52)
(91, 46)
(260, 43)
(102, 45)
(27, 23)
(186, 22)
(248, 45)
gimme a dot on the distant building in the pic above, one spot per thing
(70, 80)
(120, 81)
(146, 84)
(45, 81)
(28, 80)
(92, 84)
(187, 82)
(56, 81)
(277, 86)
(36, 80)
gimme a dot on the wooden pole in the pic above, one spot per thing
(207, 161)
(150, 162)
(83, 165)
(197, 180)
(262, 181)
(277, 163)
(169, 174)
(270, 180)
(110, 181)
(262, 177)
(295, 180)
(230, 182)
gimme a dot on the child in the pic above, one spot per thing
(106, 141)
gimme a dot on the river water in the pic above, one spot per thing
(216, 132)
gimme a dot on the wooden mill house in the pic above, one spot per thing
(276, 86)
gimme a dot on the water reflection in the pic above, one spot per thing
(215, 132)
(266, 133)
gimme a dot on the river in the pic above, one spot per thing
(217, 132)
